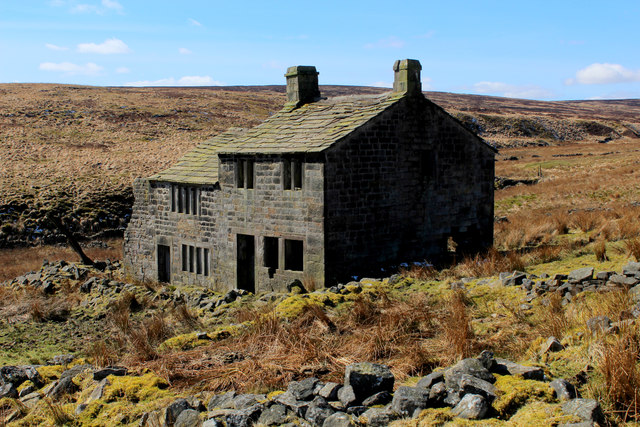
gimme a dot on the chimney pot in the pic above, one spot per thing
(407, 76)
(302, 85)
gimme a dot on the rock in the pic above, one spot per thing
(31, 399)
(471, 407)
(563, 389)
(303, 390)
(27, 390)
(378, 417)
(80, 409)
(222, 401)
(551, 345)
(76, 370)
(244, 401)
(98, 392)
(299, 407)
(598, 324)
(356, 411)
(513, 279)
(8, 390)
(243, 417)
(470, 366)
(274, 415)
(506, 367)
(586, 409)
(368, 378)
(347, 396)
(631, 269)
(431, 379)
(487, 359)
(188, 418)
(33, 375)
(110, 370)
(338, 419)
(13, 374)
(469, 384)
(174, 410)
(318, 411)
(604, 275)
(580, 275)
(380, 398)
(63, 386)
(438, 393)
(330, 391)
(61, 359)
(296, 287)
(87, 285)
(622, 281)
(212, 423)
(406, 400)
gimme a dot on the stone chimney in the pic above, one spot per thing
(407, 76)
(302, 85)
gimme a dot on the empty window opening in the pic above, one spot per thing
(164, 263)
(428, 164)
(292, 174)
(245, 262)
(198, 260)
(293, 255)
(185, 199)
(244, 173)
(271, 255)
(195, 260)
(185, 258)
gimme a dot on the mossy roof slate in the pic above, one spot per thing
(309, 128)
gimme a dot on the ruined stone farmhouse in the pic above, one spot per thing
(322, 190)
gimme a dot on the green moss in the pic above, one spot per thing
(50, 373)
(516, 392)
(136, 389)
(541, 414)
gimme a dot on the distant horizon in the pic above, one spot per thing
(283, 86)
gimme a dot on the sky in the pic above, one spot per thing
(546, 50)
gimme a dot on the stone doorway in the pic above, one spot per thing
(246, 262)
(164, 264)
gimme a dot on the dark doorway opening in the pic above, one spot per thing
(271, 255)
(164, 264)
(293, 255)
(246, 262)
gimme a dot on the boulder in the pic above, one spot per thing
(469, 384)
(63, 386)
(598, 324)
(222, 401)
(551, 345)
(586, 409)
(563, 389)
(174, 410)
(188, 418)
(8, 390)
(330, 391)
(487, 359)
(431, 379)
(406, 400)
(581, 274)
(506, 367)
(110, 370)
(303, 390)
(243, 417)
(470, 366)
(631, 269)
(471, 407)
(299, 407)
(380, 398)
(368, 378)
(618, 280)
(378, 417)
(347, 396)
(274, 415)
(13, 374)
(338, 419)
(98, 392)
(318, 411)
(244, 401)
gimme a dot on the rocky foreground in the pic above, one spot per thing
(483, 390)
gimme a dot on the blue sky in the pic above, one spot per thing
(560, 49)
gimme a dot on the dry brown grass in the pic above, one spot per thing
(554, 320)
(600, 251)
(457, 334)
(490, 263)
(272, 352)
(633, 248)
(422, 271)
(19, 261)
(618, 365)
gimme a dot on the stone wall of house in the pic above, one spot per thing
(268, 210)
(155, 223)
(401, 185)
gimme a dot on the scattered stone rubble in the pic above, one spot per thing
(366, 397)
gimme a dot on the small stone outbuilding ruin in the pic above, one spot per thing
(322, 190)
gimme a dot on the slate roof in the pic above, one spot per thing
(309, 128)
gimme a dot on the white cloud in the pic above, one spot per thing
(182, 81)
(426, 35)
(194, 22)
(122, 70)
(110, 46)
(184, 51)
(113, 5)
(390, 42)
(55, 47)
(104, 7)
(597, 73)
(68, 68)
(512, 91)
